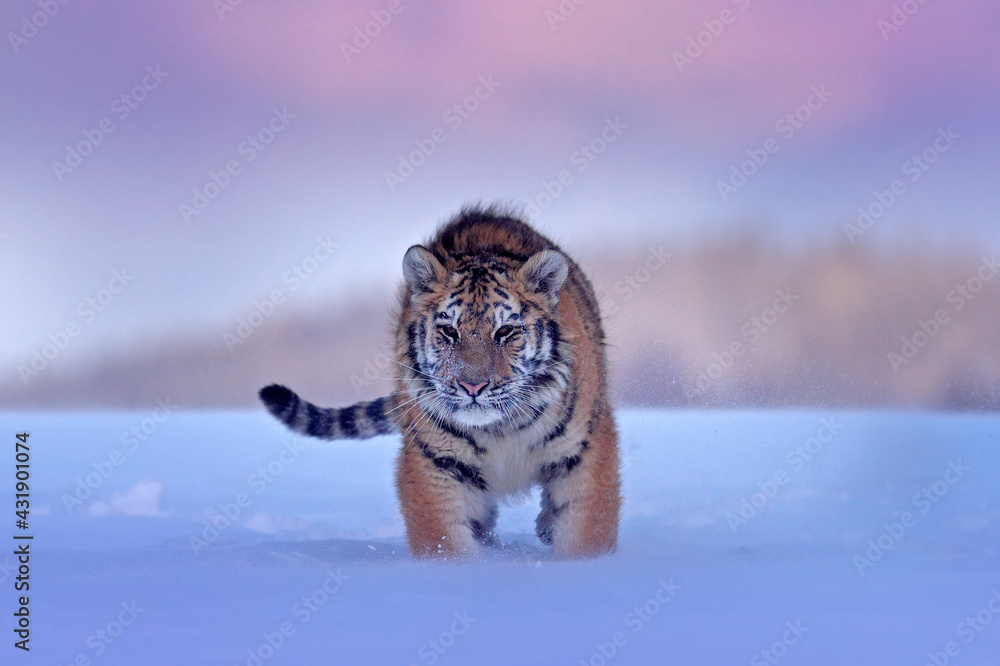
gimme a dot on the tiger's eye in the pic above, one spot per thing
(448, 332)
(503, 333)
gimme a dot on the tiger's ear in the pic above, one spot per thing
(422, 270)
(544, 273)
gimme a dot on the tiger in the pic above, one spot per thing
(502, 388)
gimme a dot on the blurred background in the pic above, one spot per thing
(780, 204)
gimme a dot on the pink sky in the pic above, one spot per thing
(764, 59)
(558, 87)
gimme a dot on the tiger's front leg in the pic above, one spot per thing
(576, 519)
(581, 501)
(443, 502)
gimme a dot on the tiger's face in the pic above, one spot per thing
(483, 339)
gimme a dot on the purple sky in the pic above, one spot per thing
(547, 84)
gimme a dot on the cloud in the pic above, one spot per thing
(262, 522)
(142, 499)
(273, 524)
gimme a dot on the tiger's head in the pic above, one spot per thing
(483, 339)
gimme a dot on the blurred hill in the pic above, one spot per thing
(723, 323)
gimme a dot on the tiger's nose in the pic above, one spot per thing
(473, 389)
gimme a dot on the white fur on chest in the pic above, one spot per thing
(509, 468)
(511, 464)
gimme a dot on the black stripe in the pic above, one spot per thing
(479, 274)
(455, 432)
(545, 523)
(411, 348)
(555, 470)
(553, 329)
(536, 413)
(375, 411)
(462, 472)
(501, 293)
(561, 468)
(561, 426)
(318, 424)
(595, 412)
(544, 379)
(348, 422)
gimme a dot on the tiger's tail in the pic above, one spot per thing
(360, 421)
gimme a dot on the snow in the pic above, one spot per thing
(314, 560)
